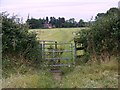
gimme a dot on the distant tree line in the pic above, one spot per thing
(55, 23)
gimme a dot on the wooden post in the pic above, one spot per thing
(75, 53)
(43, 50)
(71, 49)
(56, 53)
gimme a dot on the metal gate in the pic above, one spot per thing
(57, 54)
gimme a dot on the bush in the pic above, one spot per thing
(103, 37)
(17, 42)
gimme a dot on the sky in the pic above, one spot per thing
(78, 9)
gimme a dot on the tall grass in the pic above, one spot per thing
(92, 76)
(82, 76)
(39, 79)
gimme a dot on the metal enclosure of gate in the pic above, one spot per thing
(57, 54)
(78, 48)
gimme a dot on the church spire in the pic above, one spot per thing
(28, 16)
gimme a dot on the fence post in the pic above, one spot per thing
(71, 49)
(75, 50)
(43, 49)
(56, 52)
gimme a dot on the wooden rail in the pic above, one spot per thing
(57, 59)
(59, 51)
(59, 65)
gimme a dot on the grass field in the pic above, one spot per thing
(57, 34)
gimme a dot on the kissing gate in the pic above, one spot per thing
(57, 54)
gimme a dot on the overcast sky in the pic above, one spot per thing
(78, 9)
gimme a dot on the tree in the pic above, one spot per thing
(81, 23)
(99, 15)
(47, 20)
(70, 23)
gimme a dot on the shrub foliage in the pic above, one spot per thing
(102, 39)
(17, 41)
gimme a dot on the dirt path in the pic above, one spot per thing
(57, 76)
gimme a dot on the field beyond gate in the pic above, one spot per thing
(57, 34)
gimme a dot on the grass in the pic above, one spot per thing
(81, 76)
(57, 34)
(95, 76)
(39, 79)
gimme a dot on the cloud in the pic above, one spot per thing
(68, 8)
